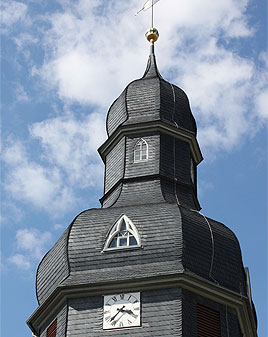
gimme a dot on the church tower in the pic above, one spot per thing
(147, 263)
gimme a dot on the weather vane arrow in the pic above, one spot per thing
(152, 34)
(147, 5)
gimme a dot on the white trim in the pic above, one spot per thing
(140, 143)
(115, 231)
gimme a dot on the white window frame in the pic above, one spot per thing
(139, 144)
(114, 232)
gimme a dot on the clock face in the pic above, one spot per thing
(121, 311)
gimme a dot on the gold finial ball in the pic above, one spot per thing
(152, 35)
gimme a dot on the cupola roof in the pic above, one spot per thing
(151, 98)
(195, 245)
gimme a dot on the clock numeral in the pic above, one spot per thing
(135, 302)
(106, 312)
(122, 296)
(129, 322)
(129, 297)
(114, 298)
(121, 324)
(136, 308)
(113, 323)
(108, 318)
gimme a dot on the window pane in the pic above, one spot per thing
(137, 155)
(144, 155)
(113, 243)
(132, 241)
(122, 241)
(123, 226)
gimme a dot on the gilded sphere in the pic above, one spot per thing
(152, 35)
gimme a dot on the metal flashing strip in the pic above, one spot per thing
(161, 126)
(184, 280)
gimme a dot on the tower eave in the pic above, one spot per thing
(159, 125)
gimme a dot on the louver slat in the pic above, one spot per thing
(208, 322)
(52, 330)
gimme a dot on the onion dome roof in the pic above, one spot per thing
(151, 98)
(195, 245)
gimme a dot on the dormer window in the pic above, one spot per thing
(141, 151)
(123, 234)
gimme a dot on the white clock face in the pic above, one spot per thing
(121, 311)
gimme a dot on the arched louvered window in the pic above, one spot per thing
(208, 322)
(123, 234)
(52, 329)
(140, 151)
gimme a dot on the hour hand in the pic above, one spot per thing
(130, 312)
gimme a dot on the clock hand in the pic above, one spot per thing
(130, 312)
(119, 310)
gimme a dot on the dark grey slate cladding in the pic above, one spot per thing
(111, 198)
(173, 239)
(183, 115)
(174, 193)
(89, 231)
(232, 324)
(127, 273)
(228, 267)
(228, 316)
(114, 167)
(175, 159)
(151, 68)
(161, 316)
(52, 269)
(151, 166)
(226, 263)
(61, 316)
(175, 106)
(143, 100)
(151, 98)
(140, 193)
(117, 113)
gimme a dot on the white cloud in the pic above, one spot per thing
(71, 144)
(33, 241)
(23, 40)
(68, 161)
(29, 181)
(262, 104)
(21, 94)
(21, 261)
(58, 227)
(91, 57)
(31, 245)
(10, 213)
(12, 12)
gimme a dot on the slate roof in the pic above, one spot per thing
(151, 98)
(174, 239)
(175, 236)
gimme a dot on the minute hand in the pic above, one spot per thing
(119, 310)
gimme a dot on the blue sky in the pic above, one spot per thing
(62, 65)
